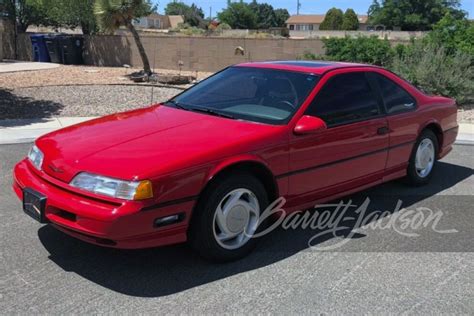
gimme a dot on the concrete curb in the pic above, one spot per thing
(18, 131)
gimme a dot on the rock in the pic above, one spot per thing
(175, 79)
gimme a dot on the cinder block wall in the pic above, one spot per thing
(197, 53)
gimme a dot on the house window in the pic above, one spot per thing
(292, 27)
(304, 27)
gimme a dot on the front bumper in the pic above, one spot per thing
(119, 224)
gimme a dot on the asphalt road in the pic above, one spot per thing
(372, 269)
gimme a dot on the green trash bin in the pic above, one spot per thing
(71, 49)
(54, 49)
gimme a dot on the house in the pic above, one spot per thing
(313, 21)
(159, 21)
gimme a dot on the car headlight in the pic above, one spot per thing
(36, 157)
(128, 190)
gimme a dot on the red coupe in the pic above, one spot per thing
(202, 166)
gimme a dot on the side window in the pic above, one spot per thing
(345, 98)
(395, 97)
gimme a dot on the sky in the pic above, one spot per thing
(307, 6)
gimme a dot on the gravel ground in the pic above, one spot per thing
(98, 100)
(77, 75)
(466, 114)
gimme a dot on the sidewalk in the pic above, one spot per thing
(14, 66)
(27, 130)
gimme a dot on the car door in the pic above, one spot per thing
(399, 106)
(351, 152)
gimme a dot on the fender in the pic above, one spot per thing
(231, 161)
(428, 122)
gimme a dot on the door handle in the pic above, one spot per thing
(383, 130)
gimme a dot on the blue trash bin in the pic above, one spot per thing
(40, 51)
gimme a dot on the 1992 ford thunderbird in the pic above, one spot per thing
(204, 165)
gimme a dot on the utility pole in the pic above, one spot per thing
(298, 6)
(210, 13)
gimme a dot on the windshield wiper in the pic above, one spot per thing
(212, 112)
(197, 109)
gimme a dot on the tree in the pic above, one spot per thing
(374, 9)
(111, 14)
(193, 15)
(414, 15)
(265, 14)
(23, 13)
(333, 20)
(239, 15)
(70, 14)
(350, 21)
(281, 16)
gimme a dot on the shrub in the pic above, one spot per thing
(371, 50)
(186, 29)
(223, 26)
(435, 71)
(454, 34)
(307, 55)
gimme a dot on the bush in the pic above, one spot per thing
(223, 26)
(431, 68)
(370, 50)
(186, 29)
(427, 63)
(454, 34)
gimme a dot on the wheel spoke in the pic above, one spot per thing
(221, 221)
(250, 209)
(233, 199)
(225, 237)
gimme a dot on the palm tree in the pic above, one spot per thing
(111, 14)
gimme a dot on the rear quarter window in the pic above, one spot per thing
(396, 99)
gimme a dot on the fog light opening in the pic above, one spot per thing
(168, 220)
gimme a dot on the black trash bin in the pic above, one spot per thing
(71, 48)
(54, 48)
(40, 51)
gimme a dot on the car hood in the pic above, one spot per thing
(148, 142)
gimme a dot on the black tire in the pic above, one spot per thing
(201, 232)
(413, 178)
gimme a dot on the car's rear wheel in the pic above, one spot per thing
(227, 216)
(423, 159)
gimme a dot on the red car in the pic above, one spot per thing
(204, 165)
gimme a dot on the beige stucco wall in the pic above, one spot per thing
(197, 53)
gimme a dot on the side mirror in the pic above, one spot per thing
(309, 125)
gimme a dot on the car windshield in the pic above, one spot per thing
(253, 94)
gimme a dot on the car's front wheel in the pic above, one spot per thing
(227, 216)
(423, 159)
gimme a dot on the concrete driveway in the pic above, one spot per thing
(374, 270)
